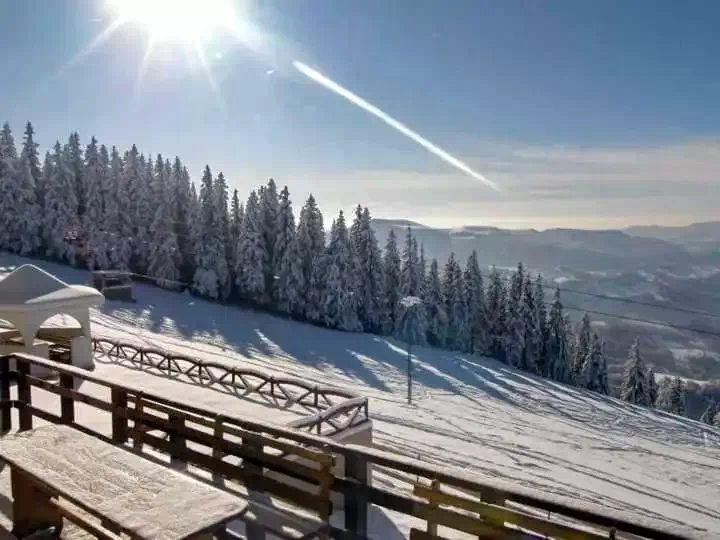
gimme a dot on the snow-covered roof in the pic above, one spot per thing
(30, 288)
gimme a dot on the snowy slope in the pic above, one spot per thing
(470, 413)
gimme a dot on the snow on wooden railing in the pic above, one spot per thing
(435, 496)
(332, 410)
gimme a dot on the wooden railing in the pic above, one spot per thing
(332, 410)
(435, 496)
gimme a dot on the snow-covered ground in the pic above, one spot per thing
(470, 413)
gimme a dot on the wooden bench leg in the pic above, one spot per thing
(31, 506)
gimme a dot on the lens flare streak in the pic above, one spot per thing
(331, 85)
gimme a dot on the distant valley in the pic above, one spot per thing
(675, 267)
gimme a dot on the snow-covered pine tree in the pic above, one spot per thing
(182, 215)
(543, 323)
(8, 163)
(583, 339)
(26, 228)
(269, 209)
(128, 191)
(712, 410)
(533, 328)
(391, 283)
(93, 223)
(368, 270)
(223, 216)
(515, 337)
(409, 280)
(557, 365)
(340, 300)
(234, 231)
(591, 374)
(283, 237)
(422, 269)
(32, 156)
(652, 385)
(674, 399)
(289, 264)
(76, 164)
(635, 388)
(164, 256)
(249, 274)
(434, 302)
(106, 187)
(458, 330)
(310, 239)
(604, 385)
(118, 221)
(60, 212)
(207, 250)
(497, 314)
(476, 307)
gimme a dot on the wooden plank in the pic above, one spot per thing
(246, 451)
(356, 507)
(5, 403)
(142, 498)
(119, 399)
(499, 515)
(435, 488)
(287, 447)
(138, 431)
(93, 528)
(300, 497)
(24, 396)
(68, 393)
(31, 506)
(416, 534)
(464, 523)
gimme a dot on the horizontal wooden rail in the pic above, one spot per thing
(142, 416)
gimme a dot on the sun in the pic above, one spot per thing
(176, 20)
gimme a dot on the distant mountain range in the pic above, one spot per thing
(674, 267)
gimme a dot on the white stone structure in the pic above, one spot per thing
(29, 296)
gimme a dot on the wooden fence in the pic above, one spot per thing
(299, 467)
(333, 410)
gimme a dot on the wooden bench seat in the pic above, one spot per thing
(56, 468)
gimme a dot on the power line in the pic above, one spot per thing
(636, 319)
(627, 300)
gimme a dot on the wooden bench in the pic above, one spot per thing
(487, 516)
(58, 472)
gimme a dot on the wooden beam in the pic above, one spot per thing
(24, 396)
(499, 515)
(5, 400)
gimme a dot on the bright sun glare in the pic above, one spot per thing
(181, 20)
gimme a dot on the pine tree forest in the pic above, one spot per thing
(104, 208)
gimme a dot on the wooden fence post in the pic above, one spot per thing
(119, 400)
(67, 404)
(355, 505)
(253, 530)
(432, 527)
(217, 452)
(24, 396)
(178, 443)
(6, 411)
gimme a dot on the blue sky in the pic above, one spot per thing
(586, 114)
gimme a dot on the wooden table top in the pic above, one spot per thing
(147, 499)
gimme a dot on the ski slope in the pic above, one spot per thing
(469, 413)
